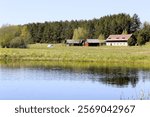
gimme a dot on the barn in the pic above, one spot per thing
(71, 42)
(92, 42)
(118, 40)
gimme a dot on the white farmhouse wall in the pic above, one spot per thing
(117, 43)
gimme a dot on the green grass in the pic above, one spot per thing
(136, 56)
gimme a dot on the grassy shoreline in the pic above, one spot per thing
(137, 56)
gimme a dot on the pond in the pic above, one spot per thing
(60, 82)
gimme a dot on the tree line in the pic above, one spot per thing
(56, 32)
(14, 36)
(59, 31)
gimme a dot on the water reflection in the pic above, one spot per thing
(114, 76)
(57, 80)
(120, 77)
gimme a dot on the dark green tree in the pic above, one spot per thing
(132, 41)
(135, 24)
(56, 32)
(140, 40)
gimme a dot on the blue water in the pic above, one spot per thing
(73, 84)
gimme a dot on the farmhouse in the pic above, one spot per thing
(118, 40)
(92, 42)
(71, 42)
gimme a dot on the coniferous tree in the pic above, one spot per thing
(140, 40)
(56, 32)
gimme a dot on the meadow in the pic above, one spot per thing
(138, 56)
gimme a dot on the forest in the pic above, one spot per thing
(13, 36)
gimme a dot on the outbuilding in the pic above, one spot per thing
(92, 42)
(71, 42)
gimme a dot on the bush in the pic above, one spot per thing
(18, 42)
(140, 40)
(131, 42)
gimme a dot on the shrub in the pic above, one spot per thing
(131, 41)
(18, 42)
(140, 40)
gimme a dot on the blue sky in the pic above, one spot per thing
(28, 11)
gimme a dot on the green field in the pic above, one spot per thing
(122, 56)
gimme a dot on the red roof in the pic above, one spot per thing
(123, 37)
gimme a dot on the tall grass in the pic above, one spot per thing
(137, 56)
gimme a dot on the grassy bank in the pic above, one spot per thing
(138, 56)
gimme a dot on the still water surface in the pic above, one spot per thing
(58, 83)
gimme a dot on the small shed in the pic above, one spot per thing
(71, 42)
(92, 42)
